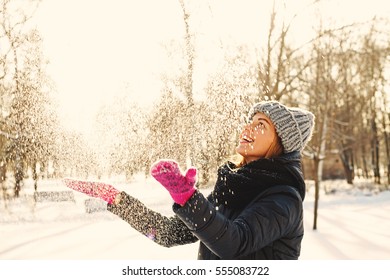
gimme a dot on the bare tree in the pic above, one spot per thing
(321, 100)
(189, 51)
(375, 60)
(280, 65)
(24, 80)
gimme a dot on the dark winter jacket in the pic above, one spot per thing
(254, 212)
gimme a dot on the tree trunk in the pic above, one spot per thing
(35, 175)
(365, 168)
(19, 174)
(346, 159)
(387, 145)
(318, 165)
(3, 172)
(375, 151)
(316, 191)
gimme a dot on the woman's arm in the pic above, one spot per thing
(164, 231)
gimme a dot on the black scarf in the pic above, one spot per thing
(236, 187)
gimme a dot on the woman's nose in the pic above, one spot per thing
(248, 127)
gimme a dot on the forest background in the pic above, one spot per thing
(149, 76)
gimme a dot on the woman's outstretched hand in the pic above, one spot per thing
(180, 187)
(95, 189)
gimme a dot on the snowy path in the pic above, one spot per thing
(353, 226)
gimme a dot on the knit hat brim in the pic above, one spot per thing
(294, 126)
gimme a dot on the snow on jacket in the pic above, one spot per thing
(264, 222)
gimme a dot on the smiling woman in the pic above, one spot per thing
(259, 139)
(261, 195)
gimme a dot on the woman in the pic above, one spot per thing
(255, 210)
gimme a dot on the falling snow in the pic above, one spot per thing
(41, 219)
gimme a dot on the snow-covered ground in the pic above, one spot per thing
(353, 224)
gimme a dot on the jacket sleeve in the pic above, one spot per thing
(265, 220)
(165, 231)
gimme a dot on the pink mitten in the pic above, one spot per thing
(180, 187)
(94, 189)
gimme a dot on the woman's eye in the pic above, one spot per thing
(260, 125)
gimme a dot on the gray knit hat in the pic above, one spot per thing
(294, 126)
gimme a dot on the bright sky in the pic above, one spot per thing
(99, 49)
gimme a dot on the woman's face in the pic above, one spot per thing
(256, 138)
